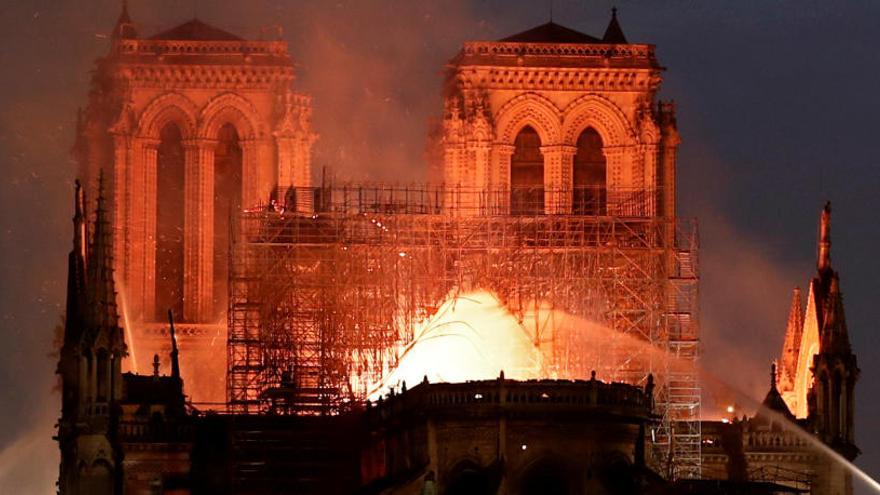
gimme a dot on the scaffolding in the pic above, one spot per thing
(321, 301)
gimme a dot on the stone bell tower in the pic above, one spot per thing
(189, 125)
(554, 121)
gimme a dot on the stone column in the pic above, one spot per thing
(146, 219)
(251, 175)
(558, 165)
(616, 182)
(454, 156)
(499, 180)
(668, 155)
(302, 173)
(294, 170)
(477, 197)
(140, 230)
(198, 230)
(649, 180)
(284, 158)
(121, 166)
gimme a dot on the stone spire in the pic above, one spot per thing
(835, 368)
(823, 261)
(773, 401)
(79, 221)
(102, 289)
(124, 26)
(835, 336)
(614, 33)
(76, 272)
(794, 331)
(175, 363)
(773, 375)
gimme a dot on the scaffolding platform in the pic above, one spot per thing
(322, 300)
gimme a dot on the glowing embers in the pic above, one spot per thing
(474, 336)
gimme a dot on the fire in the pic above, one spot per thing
(475, 336)
(471, 337)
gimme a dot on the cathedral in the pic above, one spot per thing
(228, 319)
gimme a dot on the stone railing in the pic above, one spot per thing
(436, 199)
(155, 431)
(161, 47)
(502, 48)
(773, 439)
(519, 397)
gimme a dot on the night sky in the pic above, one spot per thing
(777, 108)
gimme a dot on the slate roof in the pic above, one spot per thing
(195, 30)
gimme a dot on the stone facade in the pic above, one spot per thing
(559, 83)
(506, 436)
(161, 112)
(571, 119)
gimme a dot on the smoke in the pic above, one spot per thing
(745, 292)
(374, 70)
(29, 464)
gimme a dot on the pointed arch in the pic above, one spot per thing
(589, 174)
(527, 173)
(168, 108)
(229, 124)
(531, 110)
(547, 474)
(233, 109)
(465, 476)
(602, 115)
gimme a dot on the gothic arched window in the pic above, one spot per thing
(527, 174)
(169, 222)
(588, 177)
(227, 205)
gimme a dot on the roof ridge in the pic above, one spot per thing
(196, 30)
(551, 32)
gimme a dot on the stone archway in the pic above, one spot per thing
(547, 477)
(538, 113)
(153, 205)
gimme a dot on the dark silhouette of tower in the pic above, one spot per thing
(835, 370)
(90, 360)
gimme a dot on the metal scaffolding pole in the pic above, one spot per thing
(321, 303)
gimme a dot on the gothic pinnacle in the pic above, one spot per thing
(175, 363)
(773, 375)
(100, 265)
(824, 257)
